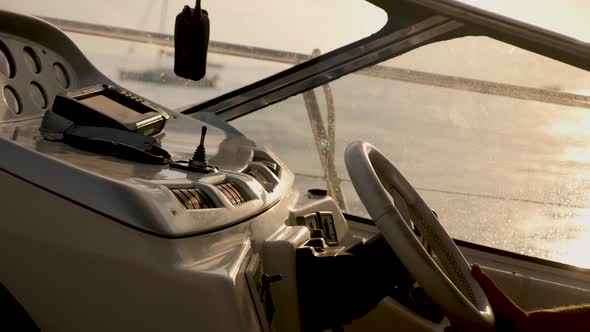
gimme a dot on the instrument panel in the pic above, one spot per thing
(39, 63)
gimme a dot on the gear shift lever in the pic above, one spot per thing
(198, 163)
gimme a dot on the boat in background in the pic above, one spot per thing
(165, 75)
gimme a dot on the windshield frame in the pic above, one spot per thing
(411, 24)
(406, 19)
(416, 23)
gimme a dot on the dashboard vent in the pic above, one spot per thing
(193, 198)
(262, 178)
(274, 167)
(265, 159)
(232, 192)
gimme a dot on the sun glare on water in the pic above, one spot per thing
(570, 132)
(574, 249)
(577, 250)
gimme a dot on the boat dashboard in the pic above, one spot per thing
(156, 198)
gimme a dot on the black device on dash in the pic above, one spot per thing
(112, 107)
(108, 120)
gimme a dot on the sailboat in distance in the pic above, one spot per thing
(165, 75)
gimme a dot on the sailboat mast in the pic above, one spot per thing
(163, 14)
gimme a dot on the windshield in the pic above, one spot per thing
(301, 27)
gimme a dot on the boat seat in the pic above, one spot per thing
(37, 62)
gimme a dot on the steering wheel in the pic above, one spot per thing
(457, 293)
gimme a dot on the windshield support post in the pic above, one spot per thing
(325, 140)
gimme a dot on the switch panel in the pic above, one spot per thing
(323, 222)
(326, 223)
